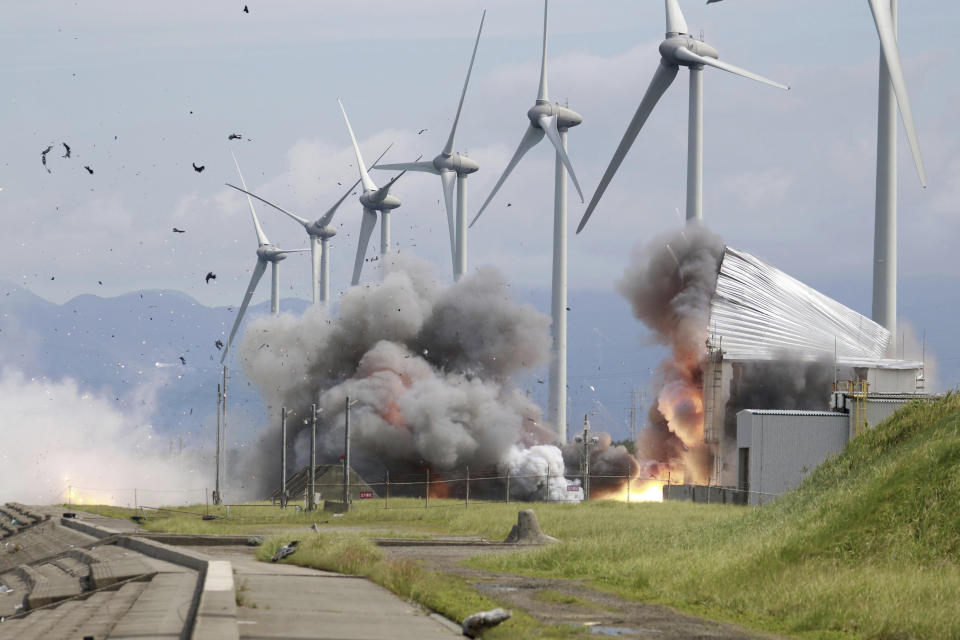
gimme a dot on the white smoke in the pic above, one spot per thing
(56, 435)
(538, 472)
(429, 367)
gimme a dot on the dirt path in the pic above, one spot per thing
(559, 601)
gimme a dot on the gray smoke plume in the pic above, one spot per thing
(670, 284)
(430, 368)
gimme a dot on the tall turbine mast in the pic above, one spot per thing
(892, 92)
(552, 121)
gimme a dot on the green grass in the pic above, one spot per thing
(867, 548)
(445, 594)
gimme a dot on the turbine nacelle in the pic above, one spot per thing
(459, 164)
(327, 232)
(271, 253)
(375, 202)
(670, 46)
(566, 117)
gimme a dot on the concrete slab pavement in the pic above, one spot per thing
(284, 601)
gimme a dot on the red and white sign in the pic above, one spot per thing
(366, 495)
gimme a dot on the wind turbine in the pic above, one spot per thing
(373, 199)
(893, 95)
(679, 49)
(552, 121)
(267, 253)
(320, 231)
(452, 167)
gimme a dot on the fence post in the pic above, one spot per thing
(628, 487)
(508, 486)
(427, 492)
(386, 492)
(547, 487)
(69, 496)
(468, 488)
(134, 497)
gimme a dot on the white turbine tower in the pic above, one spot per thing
(373, 199)
(319, 231)
(678, 49)
(452, 167)
(267, 253)
(893, 94)
(552, 121)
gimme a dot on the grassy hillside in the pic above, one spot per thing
(867, 547)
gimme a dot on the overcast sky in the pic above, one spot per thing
(142, 90)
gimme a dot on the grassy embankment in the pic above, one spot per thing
(867, 547)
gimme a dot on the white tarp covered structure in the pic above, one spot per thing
(760, 313)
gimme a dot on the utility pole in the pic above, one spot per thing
(346, 455)
(223, 439)
(283, 457)
(216, 481)
(637, 398)
(587, 441)
(313, 459)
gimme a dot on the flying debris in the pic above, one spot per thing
(66, 148)
(420, 133)
(89, 170)
(175, 230)
(99, 281)
(218, 344)
(210, 276)
(509, 204)
(43, 157)
(198, 169)
(246, 9)
(183, 360)
(234, 136)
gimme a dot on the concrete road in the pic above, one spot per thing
(284, 601)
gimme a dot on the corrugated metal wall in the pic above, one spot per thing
(785, 446)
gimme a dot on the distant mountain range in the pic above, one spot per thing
(130, 347)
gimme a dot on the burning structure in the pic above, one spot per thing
(744, 335)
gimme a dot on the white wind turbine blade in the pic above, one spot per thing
(448, 148)
(261, 236)
(549, 126)
(302, 221)
(423, 167)
(891, 54)
(254, 281)
(368, 184)
(531, 137)
(676, 23)
(366, 230)
(542, 91)
(689, 56)
(662, 79)
(327, 218)
(449, 180)
(383, 191)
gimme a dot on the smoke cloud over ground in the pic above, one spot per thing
(670, 283)
(57, 435)
(429, 367)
